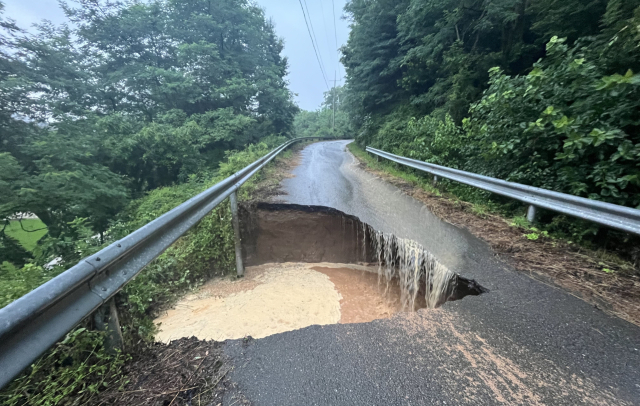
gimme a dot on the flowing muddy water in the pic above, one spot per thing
(313, 265)
(288, 233)
(362, 297)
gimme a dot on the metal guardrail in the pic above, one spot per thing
(606, 214)
(39, 319)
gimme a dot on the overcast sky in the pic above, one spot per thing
(304, 71)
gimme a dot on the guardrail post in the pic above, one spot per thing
(435, 180)
(233, 199)
(106, 319)
(531, 213)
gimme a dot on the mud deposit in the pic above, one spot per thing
(275, 298)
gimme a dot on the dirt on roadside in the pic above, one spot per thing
(269, 187)
(576, 269)
(187, 371)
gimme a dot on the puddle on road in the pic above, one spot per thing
(303, 272)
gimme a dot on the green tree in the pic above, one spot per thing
(326, 121)
(131, 97)
(371, 56)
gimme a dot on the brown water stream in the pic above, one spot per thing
(363, 298)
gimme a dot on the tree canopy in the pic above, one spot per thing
(330, 120)
(542, 92)
(131, 96)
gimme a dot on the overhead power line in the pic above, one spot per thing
(327, 37)
(315, 38)
(324, 76)
(335, 28)
(335, 33)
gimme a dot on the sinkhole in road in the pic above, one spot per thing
(311, 265)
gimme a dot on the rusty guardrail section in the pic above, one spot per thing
(606, 214)
(39, 319)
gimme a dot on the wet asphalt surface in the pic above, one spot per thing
(524, 343)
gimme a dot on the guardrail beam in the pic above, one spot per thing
(606, 214)
(39, 319)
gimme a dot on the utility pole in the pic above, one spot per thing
(333, 128)
(335, 82)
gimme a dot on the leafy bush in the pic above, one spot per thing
(434, 140)
(71, 373)
(566, 126)
(16, 282)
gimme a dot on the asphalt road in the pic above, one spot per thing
(523, 343)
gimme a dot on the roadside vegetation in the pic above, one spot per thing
(130, 98)
(330, 120)
(537, 92)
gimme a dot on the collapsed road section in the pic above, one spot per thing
(298, 233)
(310, 265)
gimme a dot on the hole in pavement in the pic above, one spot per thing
(311, 265)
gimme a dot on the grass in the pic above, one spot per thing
(34, 229)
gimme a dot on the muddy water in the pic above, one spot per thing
(363, 297)
(293, 233)
(274, 298)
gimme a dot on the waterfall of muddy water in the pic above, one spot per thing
(415, 268)
(289, 233)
